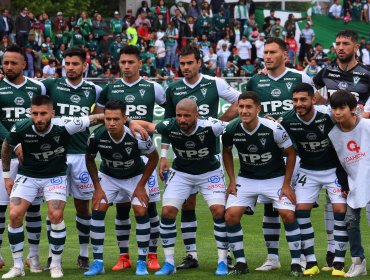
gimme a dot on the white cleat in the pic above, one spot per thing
(56, 272)
(15, 271)
(269, 264)
(34, 264)
(358, 268)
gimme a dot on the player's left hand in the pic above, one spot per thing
(136, 128)
(345, 194)
(98, 198)
(19, 154)
(141, 195)
(9, 183)
(288, 191)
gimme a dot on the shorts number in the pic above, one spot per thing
(302, 180)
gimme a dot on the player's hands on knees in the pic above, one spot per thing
(19, 154)
(9, 183)
(231, 189)
(163, 166)
(141, 195)
(288, 191)
(136, 128)
(345, 193)
(99, 197)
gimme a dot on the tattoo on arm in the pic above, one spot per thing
(6, 153)
(15, 200)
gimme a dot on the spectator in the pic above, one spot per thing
(50, 70)
(245, 49)
(312, 69)
(22, 27)
(366, 11)
(179, 22)
(225, 40)
(171, 35)
(77, 38)
(91, 42)
(143, 32)
(309, 54)
(96, 69)
(160, 49)
(247, 69)
(356, 10)
(219, 23)
(332, 55)
(39, 35)
(60, 23)
(116, 47)
(59, 55)
(205, 45)
(177, 6)
(100, 27)
(131, 33)
(268, 22)
(163, 10)
(347, 17)
(236, 59)
(365, 53)
(85, 24)
(277, 34)
(30, 58)
(159, 23)
(260, 46)
(43, 57)
(151, 17)
(241, 13)
(212, 59)
(6, 23)
(5, 43)
(319, 55)
(292, 48)
(277, 25)
(222, 56)
(204, 23)
(335, 10)
(116, 23)
(143, 9)
(290, 24)
(147, 69)
(230, 70)
(165, 75)
(308, 34)
(190, 30)
(208, 8)
(32, 41)
(194, 10)
(72, 22)
(238, 32)
(141, 19)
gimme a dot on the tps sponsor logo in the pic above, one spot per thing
(84, 177)
(353, 147)
(56, 180)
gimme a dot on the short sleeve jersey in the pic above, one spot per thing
(44, 154)
(260, 151)
(120, 159)
(275, 93)
(312, 141)
(73, 101)
(139, 97)
(195, 153)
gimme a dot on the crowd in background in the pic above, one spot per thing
(228, 36)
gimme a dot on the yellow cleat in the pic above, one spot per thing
(338, 272)
(312, 271)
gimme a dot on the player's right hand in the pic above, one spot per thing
(19, 154)
(98, 198)
(136, 128)
(231, 189)
(163, 165)
(9, 183)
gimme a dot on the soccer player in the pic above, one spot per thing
(123, 173)
(350, 138)
(16, 92)
(140, 96)
(309, 126)
(206, 92)
(196, 166)
(275, 93)
(72, 96)
(351, 75)
(260, 144)
(42, 173)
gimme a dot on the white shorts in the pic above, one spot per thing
(308, 184)
(153, 185)
(4, 197)
(250, 189)
(80, 185)
(33, 189)
(181, 185)
(120, 190)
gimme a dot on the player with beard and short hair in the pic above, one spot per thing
(73, 96)
(16, 92)
(309, 126)
(351, 75)
(42, 173)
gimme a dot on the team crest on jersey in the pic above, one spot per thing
(19, 101)
(289, 85)
(356, 79)
(189, 144)
(343, 85)
(252, 148)
(204, 91)
(45, 147)
(276, 92)
(193, 98)
(321, 127)
(118, 156)
(56, 139)
(75, 98)
(201, 138)
(87, 93)
(128, 150)
(311, 136)
(142, 92)
(130, 98)
(30, 94)
(263, 141)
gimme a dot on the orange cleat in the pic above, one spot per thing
(153, 262)
(123, 263)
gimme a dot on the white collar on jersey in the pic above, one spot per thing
(73, 86)
(191, 133)
(278, 77)
(42, 134)
(132, 84)
(120, 140)
(310, 121)
(14, 85)
(254, 130)
(195, 84)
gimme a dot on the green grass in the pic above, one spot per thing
(207, 252)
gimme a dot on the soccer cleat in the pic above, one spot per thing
(56, 271)
(83, 262)
(295, 270)
(141, 268)
(167, 269)
(153, 262)
(47, 265)
(230, 262)
(312, 271)
(358, 268)
(239, 268)
(95, 269)
(15, 271)
(123, 262)
(269, 264)
(34, 264)
(221, 269)
(2, 263)
(338, 269)
(188, 262)
(329, 261)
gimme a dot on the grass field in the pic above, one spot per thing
(207, 252)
